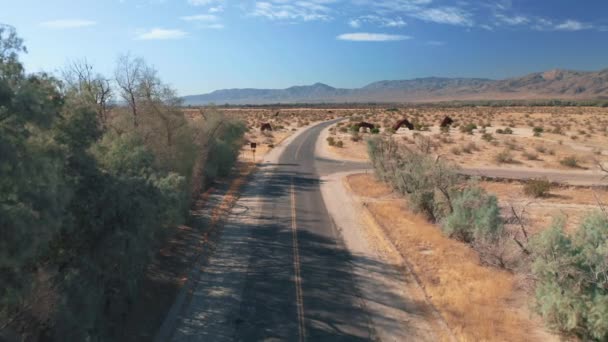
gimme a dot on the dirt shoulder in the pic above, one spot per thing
(476, 302)
(397, 304)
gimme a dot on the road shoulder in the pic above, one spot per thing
(395, 301)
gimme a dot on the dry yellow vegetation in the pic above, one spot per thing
(478, 303)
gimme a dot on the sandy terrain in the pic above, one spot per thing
(566, 132)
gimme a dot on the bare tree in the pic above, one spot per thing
(162, 101)
(79, 77)
(128, 76)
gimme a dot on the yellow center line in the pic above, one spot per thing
(296, 266)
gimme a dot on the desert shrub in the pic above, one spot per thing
(570, 161)
(339, 143)
(504, 157)
(540, 149)
(331, 141)
(530, 155)
(475, 216)
(343, 129)
(468, 128)
(469, 147)
(354, 136)
(487, 137)
(426, 182)
(375, 130)
(507, 130)
(537, 187)
(572, 272)
(537, 131)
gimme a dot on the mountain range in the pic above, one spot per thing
(553, 84)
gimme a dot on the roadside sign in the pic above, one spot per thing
(253, 146)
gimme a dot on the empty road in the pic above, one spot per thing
(280, 270)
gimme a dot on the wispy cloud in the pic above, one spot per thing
(424, 10)
(445, 15)
(201, 17)
(572, 25)
(372, 37)
(210, 21)
(67, 23)
(377, 20)
(512, 20)
(161, 34)
(293, 10)
(205, 2)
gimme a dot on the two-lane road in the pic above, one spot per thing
(280, 270)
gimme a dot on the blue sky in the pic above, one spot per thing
(202, 45)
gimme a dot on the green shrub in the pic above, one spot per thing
(537, 187)
(570, 161)
(468, 128)
(475, 216)
(375, 130)
(537, 131)
(572, 278)
(425, 181)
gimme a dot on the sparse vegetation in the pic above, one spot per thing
(504, 157)
(537, 188)
(570, 161)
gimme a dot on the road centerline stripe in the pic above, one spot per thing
(296, 266)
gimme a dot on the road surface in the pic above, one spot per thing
(280, 270)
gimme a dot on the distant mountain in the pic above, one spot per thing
(553, 84)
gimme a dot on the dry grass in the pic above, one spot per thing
(478, 303)
(570, 201)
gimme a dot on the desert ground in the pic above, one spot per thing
(525, 141)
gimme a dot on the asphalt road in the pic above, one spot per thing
(281, 271)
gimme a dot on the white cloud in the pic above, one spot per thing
(201, 17)
(161, 34)
(293, 10)
(572, 25)
(67, 23)
(204, 2)
(445, 15)
(512, 20)
(210, 21)
(377, 20)
(372, 37)
(216, 9)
